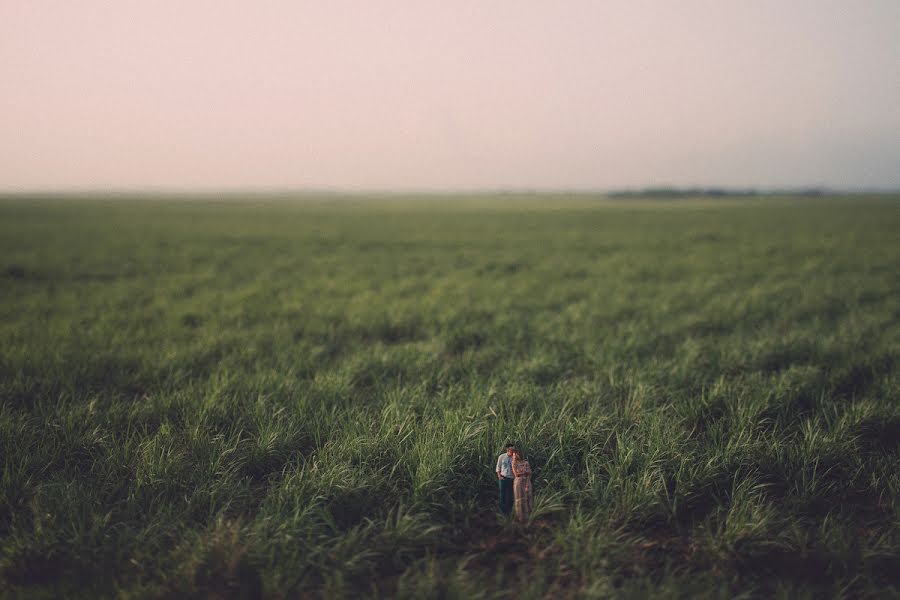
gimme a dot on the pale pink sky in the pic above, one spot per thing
(383, 94)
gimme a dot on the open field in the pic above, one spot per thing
(306, 399)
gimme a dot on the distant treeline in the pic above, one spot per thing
(713, 192)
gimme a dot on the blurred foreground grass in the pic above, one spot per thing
(294, 399)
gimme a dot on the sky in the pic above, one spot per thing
(437, 95)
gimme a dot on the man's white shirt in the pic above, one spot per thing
(504, 465)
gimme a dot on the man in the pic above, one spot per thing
(506, 478)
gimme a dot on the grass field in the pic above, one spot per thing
(307, 398)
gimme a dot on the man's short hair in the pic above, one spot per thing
(508, 445)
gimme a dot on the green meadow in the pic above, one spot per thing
(306, 397)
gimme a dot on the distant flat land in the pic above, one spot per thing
(306, 397)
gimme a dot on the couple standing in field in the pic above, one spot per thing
(514, 476)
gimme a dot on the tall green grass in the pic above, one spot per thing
(305, 399)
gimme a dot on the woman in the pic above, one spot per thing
(521, 486)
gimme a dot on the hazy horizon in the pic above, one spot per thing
(469, 96)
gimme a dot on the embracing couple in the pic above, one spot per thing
(514, 475)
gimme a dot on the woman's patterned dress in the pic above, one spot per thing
(522, 489)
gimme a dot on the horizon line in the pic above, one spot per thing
(622, 191)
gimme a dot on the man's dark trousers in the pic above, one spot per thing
(506, 495)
